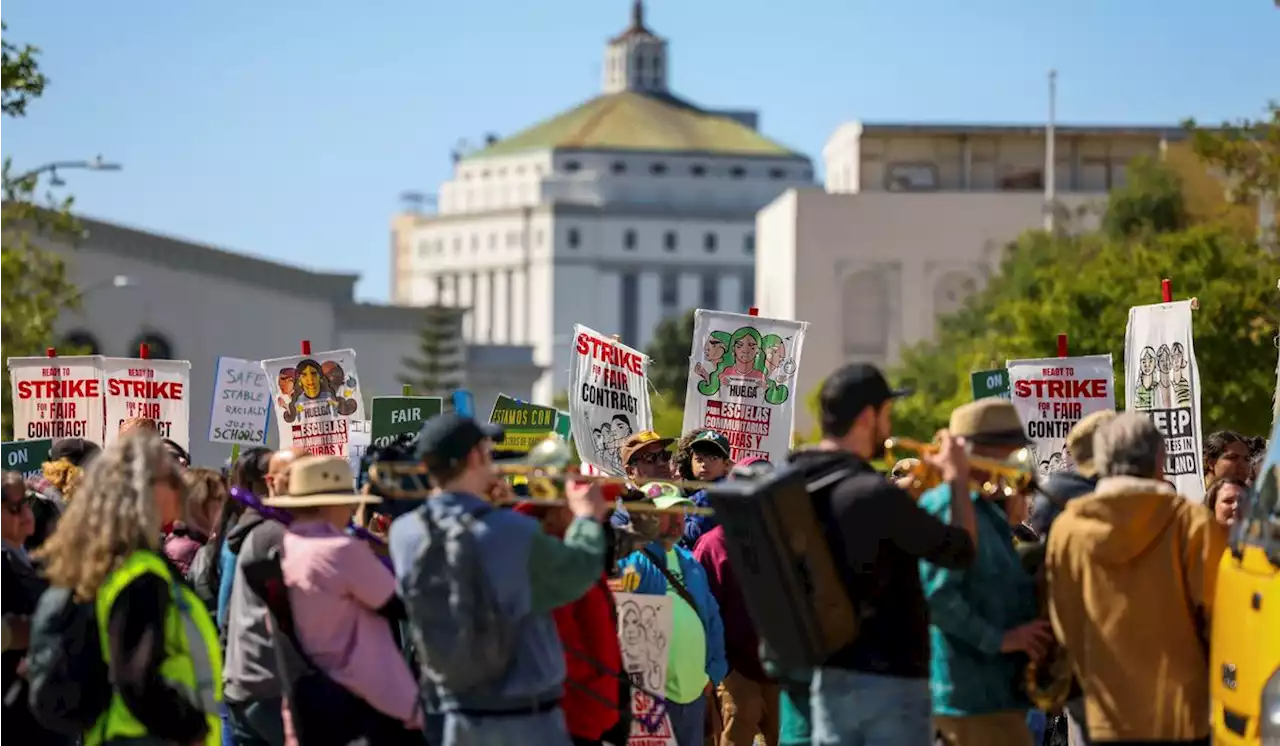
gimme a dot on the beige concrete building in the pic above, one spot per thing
(910, 223)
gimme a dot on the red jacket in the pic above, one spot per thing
(589, 633)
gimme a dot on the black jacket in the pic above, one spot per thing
(1060, 488)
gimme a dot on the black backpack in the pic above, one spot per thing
(67, 677)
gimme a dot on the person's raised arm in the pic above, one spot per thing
(561, 571)
(952, 460)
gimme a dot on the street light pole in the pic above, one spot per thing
(97, 164)
(1051, 157)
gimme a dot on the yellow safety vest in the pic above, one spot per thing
(193, 659)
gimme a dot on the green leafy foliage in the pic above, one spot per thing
(669, 356)
(1083, 285)
(438, 368)
(1246, 152)
(34, 280)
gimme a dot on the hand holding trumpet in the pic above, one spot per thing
(951, 458)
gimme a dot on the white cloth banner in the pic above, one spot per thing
(644, 634)
(742, 375)
(241, 409)
(608, 397)
(156, 390)
(57, 397)
(316, 398)
(1052, 395)
(1161, 378)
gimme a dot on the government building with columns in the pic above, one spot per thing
(627, 209)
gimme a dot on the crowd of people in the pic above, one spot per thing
(148, 601)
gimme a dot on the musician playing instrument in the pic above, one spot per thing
(983, 619)
(874, 691)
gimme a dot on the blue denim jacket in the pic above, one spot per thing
(969, 612)
(652, 582)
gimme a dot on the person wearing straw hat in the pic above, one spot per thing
(342, 598)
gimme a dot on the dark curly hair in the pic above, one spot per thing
(1217, 444)
(682, 454)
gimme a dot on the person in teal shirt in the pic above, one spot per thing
(696, 656)
(983, 620)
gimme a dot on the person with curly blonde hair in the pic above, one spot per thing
(161, 647)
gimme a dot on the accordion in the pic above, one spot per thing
(790, 584)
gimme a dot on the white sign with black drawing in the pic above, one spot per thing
(644, 631)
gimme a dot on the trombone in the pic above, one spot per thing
(545, 470)
(1005, 478)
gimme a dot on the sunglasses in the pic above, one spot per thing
(16, 508)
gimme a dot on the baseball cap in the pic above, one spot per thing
(637, 441)
(449, 437)
(76, 450)
(664, 495)
(851, 389)
(710, 438)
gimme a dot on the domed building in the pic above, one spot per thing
(631, 207)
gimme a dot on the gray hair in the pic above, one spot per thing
(1128, 446)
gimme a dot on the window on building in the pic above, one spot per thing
(710, 295)
(737, 172)
(777, 173)
(628, 310)
(571, 167)
(457, 244)
(629, 239)
(669, 241)
(158, 346)
(1022, 180)
(475, 242)
(670, 290)
(748, 294)
(484, 174)
(519, 170)
(911, 177)
(80, 342)
(618, 167)
(512, 238)
(749, 243)
(493, 240)
(698, 170)
(423, 248)
(574, 238)
(439, 289)
(709, 243)
(658, 169)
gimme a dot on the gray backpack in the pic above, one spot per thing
(461, 635)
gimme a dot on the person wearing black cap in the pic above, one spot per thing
(528, 574)
(875, 691)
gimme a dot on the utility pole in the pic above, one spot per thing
(1050, 158)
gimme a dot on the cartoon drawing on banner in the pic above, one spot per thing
(1162, 378)
(644, 635)
(751, 358)
(609, 397)
(311, 385)
(1145, 385)
(608, 439)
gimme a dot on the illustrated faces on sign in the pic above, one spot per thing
(311, 383)
(745, 349)
(713, 350)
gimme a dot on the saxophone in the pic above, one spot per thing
(1049, 683)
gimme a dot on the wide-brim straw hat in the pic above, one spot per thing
(989, 422)
(317, 481)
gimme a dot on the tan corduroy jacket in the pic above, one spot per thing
(1131, 571)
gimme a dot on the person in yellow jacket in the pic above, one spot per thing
(158, 642)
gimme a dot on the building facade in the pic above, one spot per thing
(623, 211)
(911, 223)
(193, 302)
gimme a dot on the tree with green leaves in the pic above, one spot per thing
(669, 356)
(440, 365)
(1083, 285)
(1247, 152)
(35, 281)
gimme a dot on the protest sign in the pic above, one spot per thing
(1161, 379)
(57, 397)
(608, 397)
(26, 457)
(155, 390)
(241, 409)
(316, 398)
(399, 415)
(525, 424)
(742, 372)
(1052, 395)
(990, 383)
(644, 634)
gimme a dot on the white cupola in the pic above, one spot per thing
(636, 59)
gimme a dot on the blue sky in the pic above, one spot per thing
(288, 129)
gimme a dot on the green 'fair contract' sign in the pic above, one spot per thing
(990, 383)
(525, 424)
(26, 457)
(394, 416)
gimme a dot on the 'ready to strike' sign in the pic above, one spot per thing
(608, 397)
(241, 410)
(155, 390)
(1052, 395)
(57, 397)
